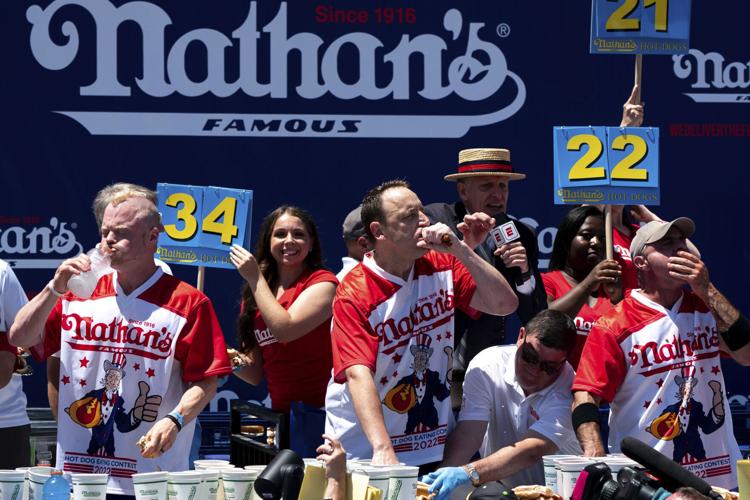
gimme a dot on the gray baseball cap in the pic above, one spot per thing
(656, 230)
(353, 227)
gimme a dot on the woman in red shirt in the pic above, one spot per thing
(285, 321)
(580, 282)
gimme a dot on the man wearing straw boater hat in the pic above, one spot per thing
(483, 183)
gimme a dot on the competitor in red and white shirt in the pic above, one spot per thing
(392, 330)
(141, 356)
(656, 359)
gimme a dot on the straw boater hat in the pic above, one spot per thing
(484, 161)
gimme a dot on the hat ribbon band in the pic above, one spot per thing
(485, 167)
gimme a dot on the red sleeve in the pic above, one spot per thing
(321, 276)
(352, 339)
(602, 367)
(200, 346)
(463, 289)
(550, 287)
(50, 344)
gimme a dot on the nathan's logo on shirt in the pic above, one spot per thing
(623, 252)
(119, 335)
(264, 337)
(583, 327)
(697, 346)
(428, 313)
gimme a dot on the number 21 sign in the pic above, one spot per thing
(640, 26)
(201, 223)
(609, 165)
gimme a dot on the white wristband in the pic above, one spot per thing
(52, 290)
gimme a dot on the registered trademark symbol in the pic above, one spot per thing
(503, 30)
(74, 225)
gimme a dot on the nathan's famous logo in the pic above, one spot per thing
(478, 73)
(651, 353)
(119, 335)
(26, 241)
(715, 79)
(426, 315)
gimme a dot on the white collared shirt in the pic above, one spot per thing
(492, 394)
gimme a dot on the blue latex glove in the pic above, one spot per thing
(445, 480)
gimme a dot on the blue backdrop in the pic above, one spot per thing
(312, 104)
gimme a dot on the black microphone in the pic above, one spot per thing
(672, 475)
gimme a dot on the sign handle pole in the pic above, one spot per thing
(638, 73)
(608, 230)
(201, 277)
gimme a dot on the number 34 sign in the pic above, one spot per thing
(610, 165)
(201, 223)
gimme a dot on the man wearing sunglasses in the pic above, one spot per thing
(515, 409)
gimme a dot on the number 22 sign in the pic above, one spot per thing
(610, 165)
(201, 223)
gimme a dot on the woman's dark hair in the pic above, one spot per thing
(566, 231)
(269, 268)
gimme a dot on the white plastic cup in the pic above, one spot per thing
(238, 484)
(570, 470)
(11, 484)
(550, 472)
(379, 476)
(84, 284)
(37, 477)
(150, 486)
(183, 485)
(209, 464)
(89, 486)
(25, 481)
(402, 484)
(211, 483)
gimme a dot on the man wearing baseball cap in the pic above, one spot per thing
(483, 183)
(656, 359)
(357, 242)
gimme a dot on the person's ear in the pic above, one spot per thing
(376, 228)
(461, 187)
(521, 336)
(640, 262)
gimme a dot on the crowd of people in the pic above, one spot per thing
(408, 338)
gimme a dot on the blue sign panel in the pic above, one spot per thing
(202, 223)
(640, 26)
(606, 165)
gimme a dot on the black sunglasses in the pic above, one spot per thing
(530, 356)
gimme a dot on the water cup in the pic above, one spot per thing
(238, 484)
(183, 485)
(89, 486)
(25, 481)
(402, 484)
(211, 483)
(84, 284)
(37, 477)
(209, 464)
(379, 476)
(150, 486)
(570, 469)
(11, 484)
